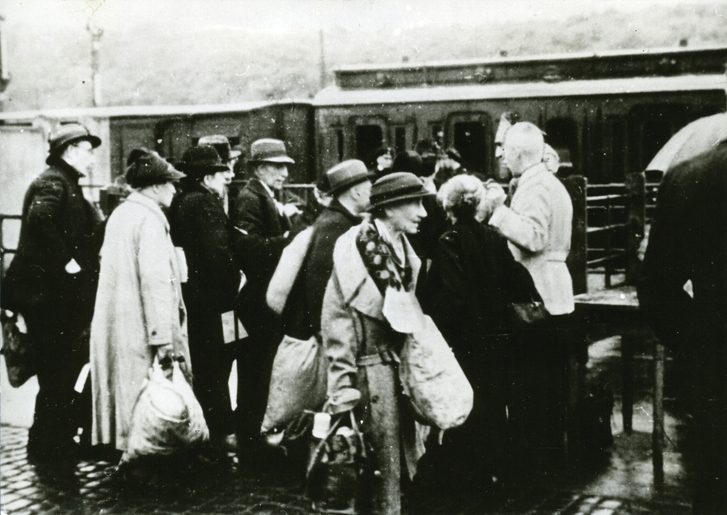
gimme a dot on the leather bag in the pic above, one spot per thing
(18, 350)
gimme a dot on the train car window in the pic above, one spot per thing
(469, 140)
(400, 139)
(339, 144)
(368, 139)
(562, 134)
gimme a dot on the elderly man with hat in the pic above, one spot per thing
(350, 187)
(267, 227)
(229, 157)
(51, 282)
(370, 261)
(201, 228)
(139, 313)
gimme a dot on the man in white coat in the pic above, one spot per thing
(538, 227)
(139, 310)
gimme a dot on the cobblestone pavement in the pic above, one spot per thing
(89, 487)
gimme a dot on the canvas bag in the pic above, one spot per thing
(291, 261)
(166, 418)
(298, 381)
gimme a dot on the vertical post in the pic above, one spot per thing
(636, 217)
(608, 263)
(657, 435)
(627, 395)
(577, 187)
(323, 59)
(96, 33)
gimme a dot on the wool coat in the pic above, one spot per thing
(683, 294)
(363, 352)
(58, 225)
(139, 306)
(538, 225)
(201, 228)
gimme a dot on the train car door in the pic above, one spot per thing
(473, 136)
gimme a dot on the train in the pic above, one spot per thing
(609, 112)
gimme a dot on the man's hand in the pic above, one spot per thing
(497, 194)
(291, 210)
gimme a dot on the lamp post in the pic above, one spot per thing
(96, 33)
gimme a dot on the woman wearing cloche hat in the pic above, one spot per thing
(369, 261)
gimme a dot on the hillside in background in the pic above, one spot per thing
(146, 64)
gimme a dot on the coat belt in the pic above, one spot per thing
(384, 357)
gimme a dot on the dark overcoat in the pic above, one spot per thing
(58, 225)
(302, 315)
(264, 238)
(199, 225)
(683, 293)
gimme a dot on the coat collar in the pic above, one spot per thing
(358, 288)
(59, 164)
(532, 172)
(336, 206)
(257, 186)
(138, 198)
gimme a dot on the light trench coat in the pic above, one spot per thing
(138, 306)
(363, 353)
(538, 226)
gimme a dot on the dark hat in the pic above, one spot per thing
(346, 174)
(147, 168)
(395, 187)
(63, 135)
(268, 150)
(409, 161)
(222, 146)
(200, 161)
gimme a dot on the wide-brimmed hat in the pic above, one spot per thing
(395, 187)
(269, 150)
(200, 161)
(222, 146)
(347, 174)
(147, 168)
(63, 135)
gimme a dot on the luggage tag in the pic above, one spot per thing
(232, 328)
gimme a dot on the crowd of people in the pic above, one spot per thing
(183, 258)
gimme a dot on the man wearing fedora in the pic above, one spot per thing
(199, 225)
(52, 281)
(229, 157)
(350, 186)
(267, 227)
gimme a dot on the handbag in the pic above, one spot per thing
(337, 469)
(291, 261)
(18, 349)
(527, 313)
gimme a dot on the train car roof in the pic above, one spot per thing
(336, 96)
(142, 111)
(527, 59)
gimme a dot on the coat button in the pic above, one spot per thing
(375, 399)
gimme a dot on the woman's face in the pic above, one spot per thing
(217, 182)
(405, 217)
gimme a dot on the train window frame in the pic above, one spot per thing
(575, 146)
(356, 122)
(483, 118)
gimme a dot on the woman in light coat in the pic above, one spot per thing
(369, 261)
(139, 310)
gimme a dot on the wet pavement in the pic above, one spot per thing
(621, 482)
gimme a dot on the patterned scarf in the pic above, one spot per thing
(377, 255)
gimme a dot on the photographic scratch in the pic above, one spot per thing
(241, 74)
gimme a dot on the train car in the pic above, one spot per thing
(609, 111)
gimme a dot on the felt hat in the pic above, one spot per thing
(408, 161)
(269, 150)
(222, 146)
(66, 134)
(395, 187)
(346, 174)
(200, 161)
(147, 168)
